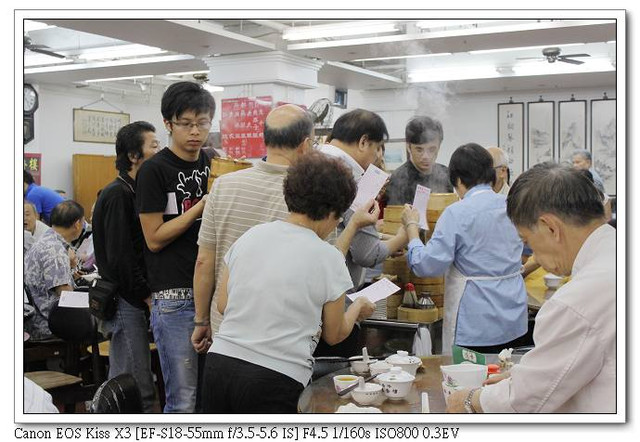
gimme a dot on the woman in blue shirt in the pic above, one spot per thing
(479, 249)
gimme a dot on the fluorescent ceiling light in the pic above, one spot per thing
(180, 74)
(404, 57)
(523, 48)
(97, 80)
(449, 74)
(30, 25)
(212, 88)
(432, 24)
(340, 30)
(119, 51)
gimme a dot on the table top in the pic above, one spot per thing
(321, 397)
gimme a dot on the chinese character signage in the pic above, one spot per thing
(511, 135)
(242, 126)
(33, 165)
(92, 126)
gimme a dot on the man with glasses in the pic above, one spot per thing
(170, 196)
(423, 136)
(501, 166)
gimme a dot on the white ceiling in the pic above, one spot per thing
(186, 42)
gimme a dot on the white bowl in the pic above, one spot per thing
(552, 281)
(464, 375)
(408, 363)
(361, 367)
(367, 395)
(396, 384)
(343, 381)
(379, 368)
(447, 390)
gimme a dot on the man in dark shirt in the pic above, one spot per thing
(423, 136)
(119, 246)
(170, 197)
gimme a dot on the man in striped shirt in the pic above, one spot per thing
(241, 200)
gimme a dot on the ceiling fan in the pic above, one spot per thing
(41, 49)
(552, 55)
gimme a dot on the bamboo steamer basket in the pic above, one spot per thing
(222, 166)
(418, 315)
(390, 227)
(393, 213)
(427, 281)
(437, 203)
(437, 289)
(393, 302)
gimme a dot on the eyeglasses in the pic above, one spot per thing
(201, 125)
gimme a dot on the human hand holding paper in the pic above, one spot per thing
(420, 201)
(369, 186)
(377, 291)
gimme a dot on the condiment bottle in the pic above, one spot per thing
(409, 299)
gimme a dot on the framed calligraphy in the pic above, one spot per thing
(603, 141)
(511, 135)
(540, 131)
(33, 165)
(572, 133)
(93, 126)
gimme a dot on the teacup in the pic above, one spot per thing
(343, 381)
(464, 375)
(448, 390)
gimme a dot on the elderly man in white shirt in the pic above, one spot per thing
(501, 166)
(572, 368)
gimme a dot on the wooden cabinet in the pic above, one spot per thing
(90, 174)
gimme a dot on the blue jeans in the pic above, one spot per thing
(129, 352)
(172, 324)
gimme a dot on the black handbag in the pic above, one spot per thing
(103, 299)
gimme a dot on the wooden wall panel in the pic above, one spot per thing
(90, 174)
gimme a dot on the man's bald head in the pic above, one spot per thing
(287, 126)
(499, 157)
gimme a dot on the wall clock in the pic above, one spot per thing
(30, 97)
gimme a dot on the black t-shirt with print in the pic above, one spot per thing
(165, 183)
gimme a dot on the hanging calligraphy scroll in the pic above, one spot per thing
(511, 135)
(541, 128)
(603, 141)
(572, 117)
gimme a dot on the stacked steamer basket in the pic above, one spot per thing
(398, 265)
(221, 166)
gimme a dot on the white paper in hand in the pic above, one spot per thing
(420, 201)
(377, 291)
(74, 299)
(369, 186)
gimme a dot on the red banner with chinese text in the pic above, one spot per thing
(242, 126)
(33, 165)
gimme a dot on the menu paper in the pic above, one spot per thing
(369, 186)
(376, 291)
(74, 299)
(420, 201)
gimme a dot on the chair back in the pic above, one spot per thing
(118, 395)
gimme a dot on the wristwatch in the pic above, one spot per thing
(468, 402)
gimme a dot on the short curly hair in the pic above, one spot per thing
(318, 185)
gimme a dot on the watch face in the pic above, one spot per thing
(30, 99)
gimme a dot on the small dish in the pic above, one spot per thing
(366, 394)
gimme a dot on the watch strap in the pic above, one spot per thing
(468, 402)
